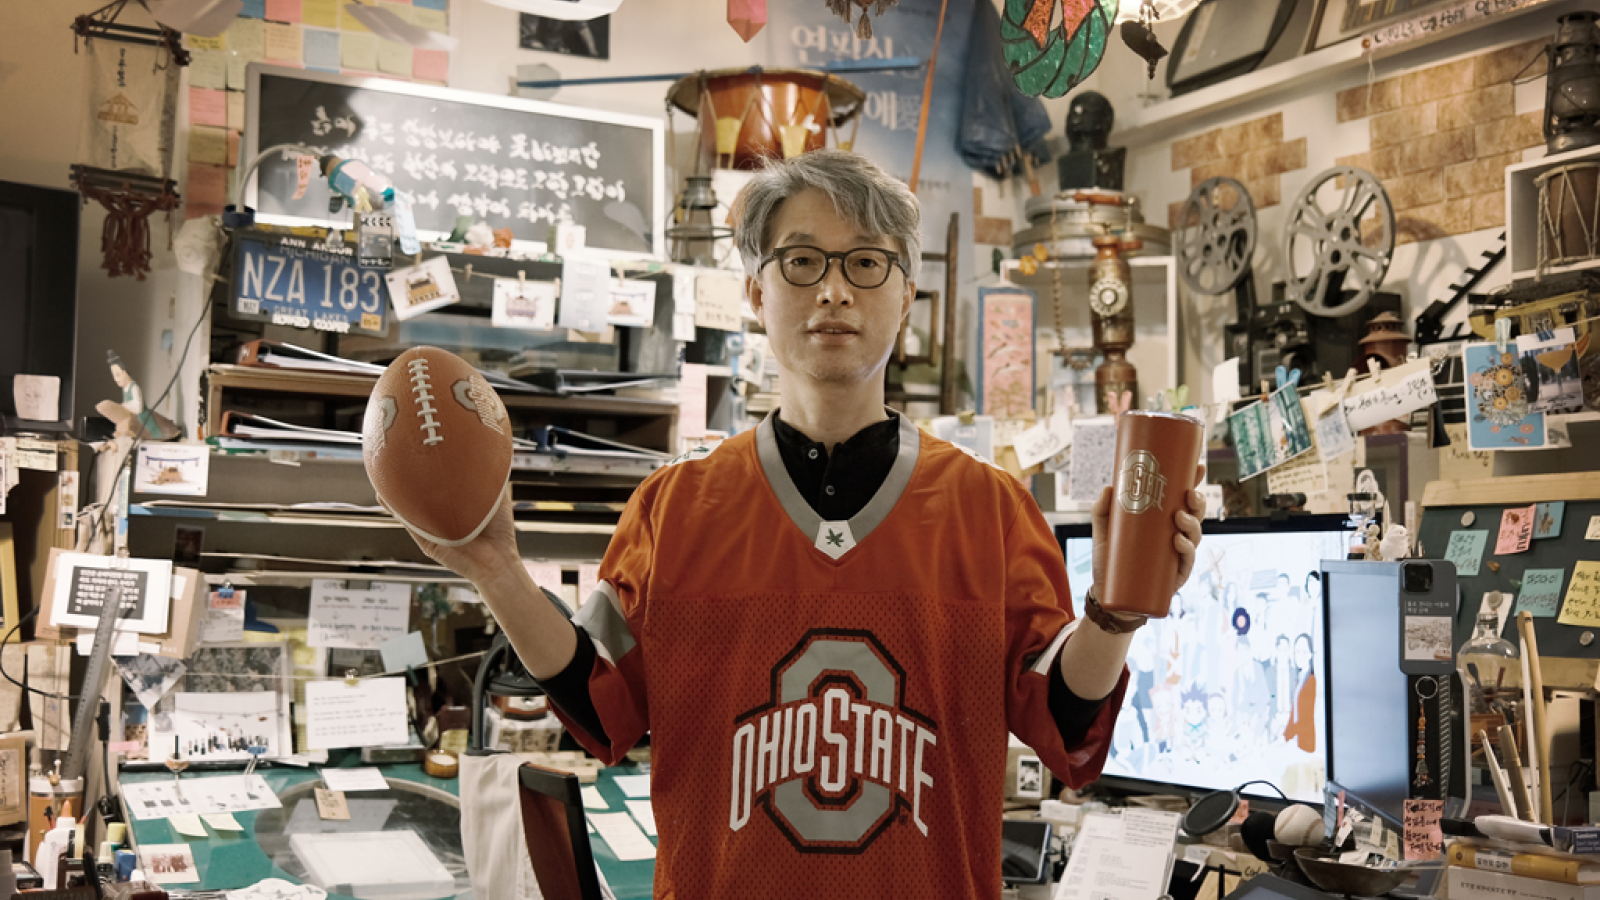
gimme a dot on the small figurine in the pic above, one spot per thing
(130, 416)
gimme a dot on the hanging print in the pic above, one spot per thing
(1049, 61)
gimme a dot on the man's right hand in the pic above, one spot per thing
(486, 556)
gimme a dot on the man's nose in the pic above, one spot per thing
(834, 287)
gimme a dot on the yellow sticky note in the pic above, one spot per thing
(359, 51)
(284, 43)
(238, 73)
(351, 23)
(197, 42)
(247, 38)
(1582, 604)
(236, 110)
(188, 825)
(403, 11)
(223, 822)
(431, 19)
(208, 69)
(321, 13)
(208, 145)
(394, 59)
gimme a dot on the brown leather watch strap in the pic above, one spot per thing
(1108, 622)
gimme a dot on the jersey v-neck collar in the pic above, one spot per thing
(835, 539)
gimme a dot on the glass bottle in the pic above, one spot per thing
(1491, 667)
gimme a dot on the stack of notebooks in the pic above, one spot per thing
(1505, 871)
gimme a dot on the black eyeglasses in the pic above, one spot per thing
(864, 267)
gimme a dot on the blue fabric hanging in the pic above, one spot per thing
(998, 121)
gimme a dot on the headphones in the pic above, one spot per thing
(1213, 810)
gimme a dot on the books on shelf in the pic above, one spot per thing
(279, 355)
(1465, 883)
(1547, 865)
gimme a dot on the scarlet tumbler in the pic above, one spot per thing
(1157, 454)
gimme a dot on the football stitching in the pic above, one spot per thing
(421, 386)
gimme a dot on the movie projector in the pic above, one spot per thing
(1337, 244)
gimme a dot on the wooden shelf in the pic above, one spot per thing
(1317, 71)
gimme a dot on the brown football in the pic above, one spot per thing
(436, 442)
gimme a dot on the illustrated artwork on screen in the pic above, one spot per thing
(585, 37)
(1226, 688)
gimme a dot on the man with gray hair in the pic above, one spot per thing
(828, 625)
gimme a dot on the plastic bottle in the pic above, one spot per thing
(345, 175)
(51, 846)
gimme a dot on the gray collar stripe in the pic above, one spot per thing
(601, 616)
(871, 515)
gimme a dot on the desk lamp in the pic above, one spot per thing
(511, 681)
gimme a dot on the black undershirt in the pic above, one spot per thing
(837, 485)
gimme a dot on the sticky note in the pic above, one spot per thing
(247, 38)
(206, 192)
(394, 59)
(401, 11)
(431, 4)
(1541, 591)
(351, 23)
(1547, 519)
(1582, 604)
(189, 825)
(357, 50)
(283, 10)
(208, 145)
(254, 9)
(1466, 550)
(208, 107)
(431, 19)
(233, 148)
(322, 49)
(201, 42)
(236, 110)
(1516, 530)
(223, 822)
(238, 73)
(284, 44)
(1592, 533)
(431, 65)
(208, 69)
(321, 13)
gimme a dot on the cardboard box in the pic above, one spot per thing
(187, 608)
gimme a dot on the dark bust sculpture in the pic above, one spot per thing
(1088, 163)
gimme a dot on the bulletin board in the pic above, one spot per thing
(1566, 661)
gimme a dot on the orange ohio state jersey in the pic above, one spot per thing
(828, 702)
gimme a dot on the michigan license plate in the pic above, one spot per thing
(300, 283)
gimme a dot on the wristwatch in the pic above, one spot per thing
(1110, 623)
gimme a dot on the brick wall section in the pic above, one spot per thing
(988, 229)
(1253, 153)
(1442, 138)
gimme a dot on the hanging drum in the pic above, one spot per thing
(747, 115)
(1569, 224)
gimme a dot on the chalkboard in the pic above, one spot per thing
(518, 164)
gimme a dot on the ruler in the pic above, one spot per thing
(94, 681)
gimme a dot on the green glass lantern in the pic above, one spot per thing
(1049, 59)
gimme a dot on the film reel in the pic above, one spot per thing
(1338, 241)
(1216, 236)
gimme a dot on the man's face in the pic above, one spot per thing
(831, 332)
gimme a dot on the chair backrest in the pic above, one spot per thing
(558, 838)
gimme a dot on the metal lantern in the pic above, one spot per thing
(1572, 88)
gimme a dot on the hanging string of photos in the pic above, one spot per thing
(125, 148)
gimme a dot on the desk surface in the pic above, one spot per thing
(233, 860)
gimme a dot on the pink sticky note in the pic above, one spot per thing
(1516, 530)
(431, 65)
(208, 107)
(206, 191)
(283, 11)
(233, 148)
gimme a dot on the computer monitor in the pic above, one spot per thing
(38, 298)
(1230, 686)
(1367, 711)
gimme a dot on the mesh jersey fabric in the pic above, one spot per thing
(828, 702)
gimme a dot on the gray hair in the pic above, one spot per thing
(865, 195)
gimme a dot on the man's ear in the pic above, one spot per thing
(752, 290)
(910, 297)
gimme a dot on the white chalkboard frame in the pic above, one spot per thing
(250, 147)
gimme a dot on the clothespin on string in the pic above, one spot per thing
(1502, 333)
(1287, 377)
(351, 678)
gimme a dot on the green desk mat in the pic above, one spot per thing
(228, 861)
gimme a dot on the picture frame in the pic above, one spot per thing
(1337, 21)
(1220, 41)
(9, 605)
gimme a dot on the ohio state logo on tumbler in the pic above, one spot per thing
(835, 758)
(1140, 484)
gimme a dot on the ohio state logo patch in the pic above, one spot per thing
(835, 758)
(1141, 486)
